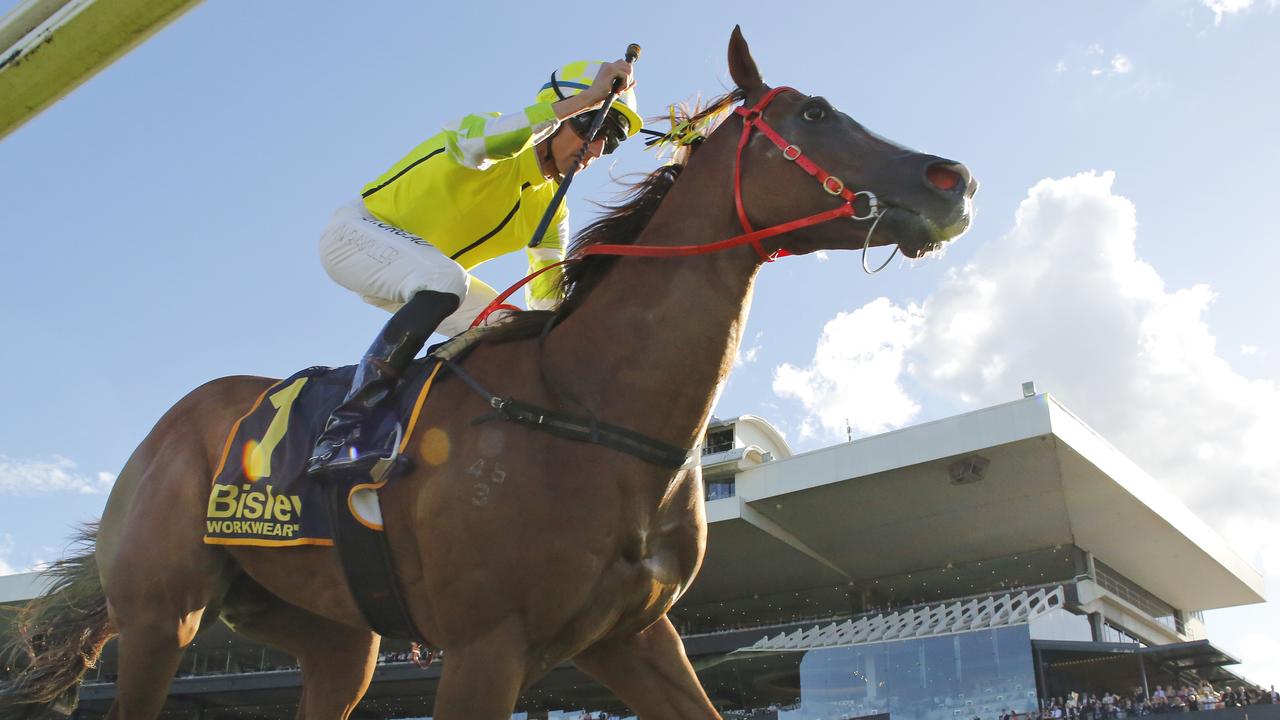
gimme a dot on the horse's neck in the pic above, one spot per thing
(650, 346)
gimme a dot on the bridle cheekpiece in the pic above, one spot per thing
(753, 119)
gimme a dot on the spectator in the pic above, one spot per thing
(1207, 698)
(1194, 697)
(1139, 701)
(1159, 701)
(1229, 698)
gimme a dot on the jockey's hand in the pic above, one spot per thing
(593, 97)
(603, 84)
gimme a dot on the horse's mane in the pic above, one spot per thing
(621, 224)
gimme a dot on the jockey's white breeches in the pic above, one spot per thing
(386, 266)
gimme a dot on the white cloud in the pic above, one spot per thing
(749, 355)
(1096, 63)
(1222, 8)
(1248, 349)
(58, 474)
(1061, 67)
(854, 373)
(1064, 299)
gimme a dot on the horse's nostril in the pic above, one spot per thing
(944, 178)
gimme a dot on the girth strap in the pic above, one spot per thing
(574, 427)
(366, 562)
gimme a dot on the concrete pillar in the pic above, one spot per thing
(1095, 626)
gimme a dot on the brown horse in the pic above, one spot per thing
(516, 550)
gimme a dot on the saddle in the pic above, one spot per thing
(261, 496)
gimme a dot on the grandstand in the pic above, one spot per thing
(944, 571)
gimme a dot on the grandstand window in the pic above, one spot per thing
(962, 675)
(1116, 634)
(723, 488)
(1129, 591)
(719, 440)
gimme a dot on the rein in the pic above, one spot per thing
(753, 119)
(588, 429)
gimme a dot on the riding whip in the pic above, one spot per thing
(633, 54)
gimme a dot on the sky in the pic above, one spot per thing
(160, 227)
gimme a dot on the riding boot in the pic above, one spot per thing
(339, 448)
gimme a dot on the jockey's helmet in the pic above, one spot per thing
(576, 77)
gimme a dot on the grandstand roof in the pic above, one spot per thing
(20, 587)
(886, 505)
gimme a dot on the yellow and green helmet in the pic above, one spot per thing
(576, 77)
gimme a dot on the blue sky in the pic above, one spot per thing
(160, 226)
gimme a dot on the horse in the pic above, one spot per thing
(515, 550)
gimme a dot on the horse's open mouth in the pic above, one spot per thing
(917, 235)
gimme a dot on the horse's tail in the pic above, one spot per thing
(59, 636)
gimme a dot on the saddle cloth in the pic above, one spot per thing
(260, 496)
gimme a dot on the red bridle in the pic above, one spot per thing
(753, 119)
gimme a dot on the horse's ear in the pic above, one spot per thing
(742, 67)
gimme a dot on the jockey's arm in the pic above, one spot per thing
(543, 292)
(479, 140)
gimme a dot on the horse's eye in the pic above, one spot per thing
(814, 113)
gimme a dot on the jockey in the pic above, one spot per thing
(468, 194)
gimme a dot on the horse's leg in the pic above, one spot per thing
(158, 576)
(151, 655)
(482, 680)
(651, 673)
(156, 620)
(337, 660)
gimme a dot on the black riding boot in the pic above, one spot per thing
(339, 447)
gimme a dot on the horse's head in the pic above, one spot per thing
(924, 200)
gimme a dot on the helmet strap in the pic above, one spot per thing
(548, 156)
(555, 85)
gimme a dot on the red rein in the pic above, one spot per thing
(753, 118)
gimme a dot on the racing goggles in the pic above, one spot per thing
(613, 129)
